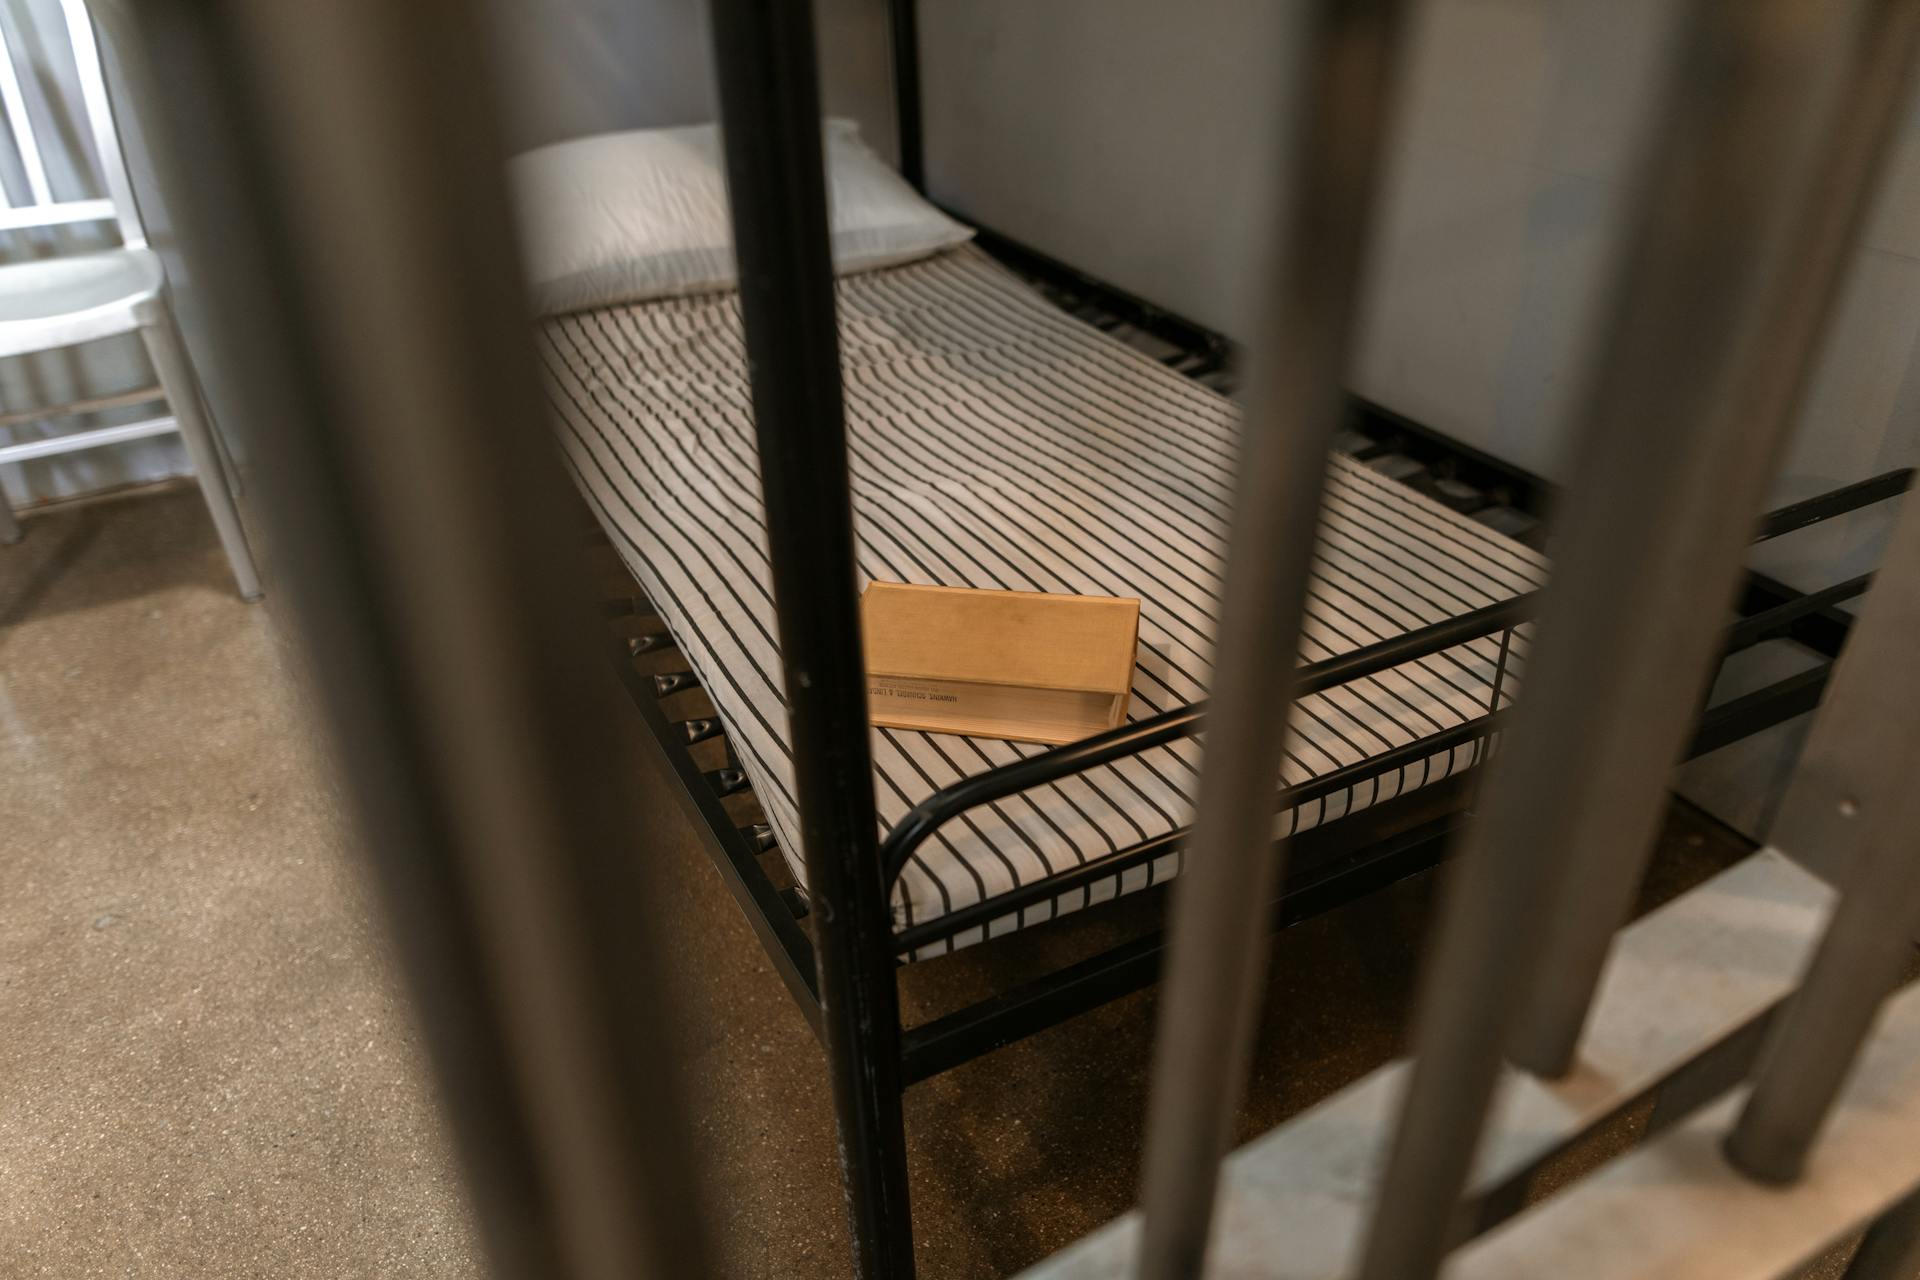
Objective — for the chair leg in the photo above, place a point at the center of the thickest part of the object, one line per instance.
(9, 523)
(183, 398)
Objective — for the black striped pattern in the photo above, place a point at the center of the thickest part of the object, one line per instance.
(997, 442)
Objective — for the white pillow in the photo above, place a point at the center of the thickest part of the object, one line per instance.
(621, 217)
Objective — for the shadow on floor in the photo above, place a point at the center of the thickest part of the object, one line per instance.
(61, 562)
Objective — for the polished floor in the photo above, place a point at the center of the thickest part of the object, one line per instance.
(208, 1065)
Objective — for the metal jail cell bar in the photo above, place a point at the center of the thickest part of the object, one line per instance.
(1346, 55)
(1891, 1249)
(1295, 1199)
(456, 667)
(776, 187)
(1855, 785)
(1756, 408)
(1673, 1209)
(1712, 229)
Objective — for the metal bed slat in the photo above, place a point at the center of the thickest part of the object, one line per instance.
(1824, 631)
(1825, 506)
(786, 944)
(1769, 705)
(653, 642)
(1780, 619)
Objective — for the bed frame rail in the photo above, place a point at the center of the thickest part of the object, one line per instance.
(1184, 722)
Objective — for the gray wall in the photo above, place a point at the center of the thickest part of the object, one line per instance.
(1131, 138)
(1134, 139)
(589, 66)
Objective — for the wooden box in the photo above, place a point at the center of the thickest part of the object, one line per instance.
(1024, 665)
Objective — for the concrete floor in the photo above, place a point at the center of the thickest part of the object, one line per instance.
(208, 1067)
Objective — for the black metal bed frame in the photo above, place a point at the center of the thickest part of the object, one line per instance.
(836, 948)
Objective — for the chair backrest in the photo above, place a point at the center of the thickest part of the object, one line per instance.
(41, 208)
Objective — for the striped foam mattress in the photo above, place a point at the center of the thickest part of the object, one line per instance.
(998, 442)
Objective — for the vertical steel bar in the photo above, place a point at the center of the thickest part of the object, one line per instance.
(770, 123)
(903, 21)
(1346, 54)
(1608, 699)
(338, 191)
(1891, 1250)
(1855, 784)
(1751, 417)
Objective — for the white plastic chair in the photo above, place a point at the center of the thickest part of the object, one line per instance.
(59, 302)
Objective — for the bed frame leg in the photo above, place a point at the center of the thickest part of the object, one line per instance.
(865, 1069)
(770, 128)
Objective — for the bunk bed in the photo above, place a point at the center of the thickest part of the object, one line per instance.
(1013, 423)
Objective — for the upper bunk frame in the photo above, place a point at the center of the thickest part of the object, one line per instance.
(840, 963)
